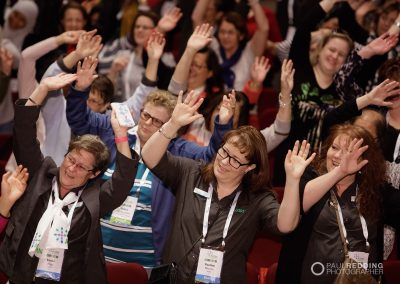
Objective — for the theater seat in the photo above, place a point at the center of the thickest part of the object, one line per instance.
(391, 271)
(3, 278)
(251, 274)
(126, 273)
(271, 274)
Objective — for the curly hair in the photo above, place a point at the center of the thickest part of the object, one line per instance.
(162, 98)
(252, 143)
(371, 177)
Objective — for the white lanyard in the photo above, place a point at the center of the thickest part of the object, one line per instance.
(142, 181)
(56, 196)
(362, 219)
(396, 149)
(207, 213)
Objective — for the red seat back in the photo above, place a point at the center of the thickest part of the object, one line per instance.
(126, 273)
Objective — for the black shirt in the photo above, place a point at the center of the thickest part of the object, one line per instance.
(253, 212)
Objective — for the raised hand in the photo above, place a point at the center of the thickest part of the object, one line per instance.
(13, 185)
(379, 46)
(155, 45)
(58, 81)
(119, 64)
(296, 160)
(89, 44)
(259, 69)
(119, 131)
(6, 61)
(86, 73)
(169, 20)
(227, 108)
(379, 95)
(287, 75)
(186, 112)
(351, 162)
(70, 37)
(200, 37)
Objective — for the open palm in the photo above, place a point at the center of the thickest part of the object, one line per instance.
(296, 160)
(58, 81)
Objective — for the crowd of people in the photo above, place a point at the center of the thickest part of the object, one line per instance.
(190, 186)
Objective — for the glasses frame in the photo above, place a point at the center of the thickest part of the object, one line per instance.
(146, 116)
(239, 164)
(72, 162)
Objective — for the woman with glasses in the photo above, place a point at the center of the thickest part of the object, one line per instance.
(222, 204)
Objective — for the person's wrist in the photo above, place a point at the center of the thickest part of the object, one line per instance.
(5, 208)
(284, 99)
(121, 138)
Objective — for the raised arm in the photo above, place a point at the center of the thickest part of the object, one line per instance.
(198, 40)
(155, 48)
(278, 132)
(6, 61)
(199, 11)
(26, 69)
(296, 162)
(259, 70)
(169, 21)
(350, 163)
(260, 36)
(183, 114)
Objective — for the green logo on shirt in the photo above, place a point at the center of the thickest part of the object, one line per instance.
(240, 210)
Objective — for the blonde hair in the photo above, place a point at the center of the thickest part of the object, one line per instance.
(162, 98)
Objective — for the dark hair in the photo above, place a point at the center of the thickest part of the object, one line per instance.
(372, 175)
(237, 21)
(149, 14)
(95, 146)
(74, 5)
(105, 87)
(215, 83)
(252, 143)
(390, 70)
(379, 123)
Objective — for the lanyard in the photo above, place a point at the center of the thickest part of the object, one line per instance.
(341, 223)
(142, 181)
(396, 151)
(207, 213)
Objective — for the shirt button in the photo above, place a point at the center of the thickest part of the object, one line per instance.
(346, 220)
(193, 256)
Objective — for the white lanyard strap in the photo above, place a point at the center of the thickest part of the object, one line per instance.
(142, 181)
(207, 213)
(56, 196)
(396, 149)
(362, 219)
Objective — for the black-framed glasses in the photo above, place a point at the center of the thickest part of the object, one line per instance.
(232, 161)
(155, 121)
(71, 161)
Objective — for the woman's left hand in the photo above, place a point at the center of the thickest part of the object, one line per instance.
(186, 112)
(296, 160)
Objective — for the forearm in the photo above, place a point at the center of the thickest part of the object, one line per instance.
(26, 69)
(327, 5)
(5, 207)
(199, 12)
(285, 109)
(363, 102)
(289, 211)
(157, 145)
(123, 147)
(261, 34)
(151, 69)
(315, 189)
(181, 73)
(38, 96)
(71, 60)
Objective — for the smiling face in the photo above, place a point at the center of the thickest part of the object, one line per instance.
(336, 151)
(228, 158)
(333, 55)
(76, 169)
(142, 30)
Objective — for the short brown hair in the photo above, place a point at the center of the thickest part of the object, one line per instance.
(252, 143)
(371, 177)
(162, 98)
(95, 146)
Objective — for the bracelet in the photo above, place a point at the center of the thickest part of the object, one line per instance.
(283, 104)
(32, 101)
(161, 130)
(121, 139)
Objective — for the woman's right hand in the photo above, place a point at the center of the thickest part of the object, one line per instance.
(58, 81)
(296, 160)
(200, 37)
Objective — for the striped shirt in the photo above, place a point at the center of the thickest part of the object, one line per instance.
(131, 242)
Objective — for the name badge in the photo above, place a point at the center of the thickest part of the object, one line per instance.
(209, 266)
(200, 192)
(124, 213)
(359, 256)
(50, 264)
